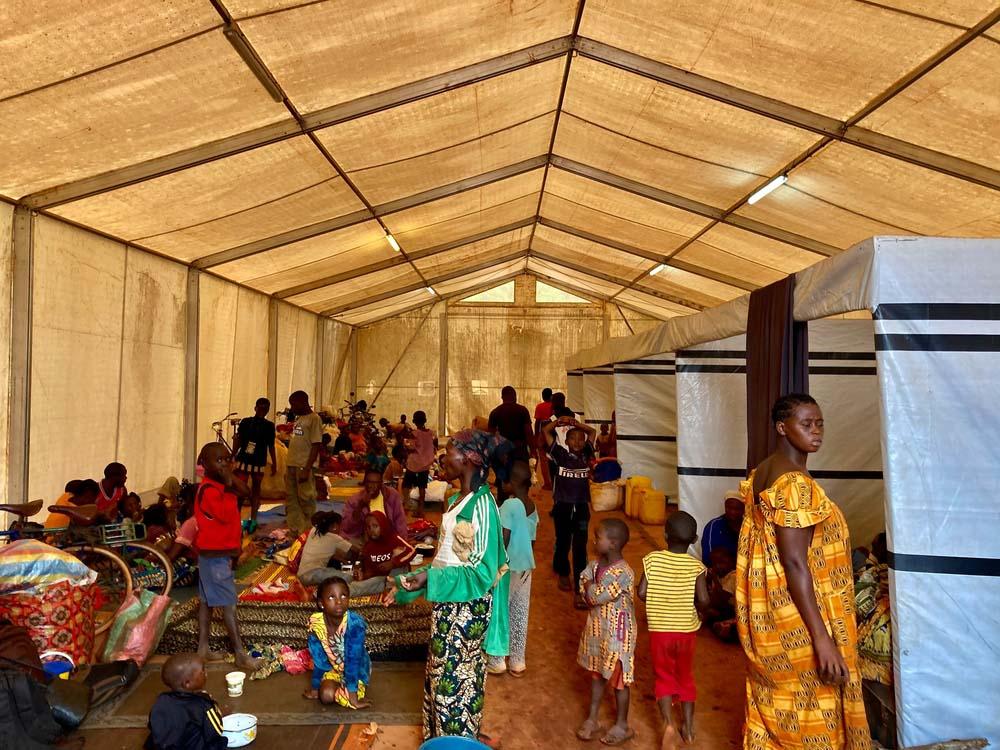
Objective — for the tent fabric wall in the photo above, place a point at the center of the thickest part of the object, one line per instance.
(335, 372)
(575, 393)
(493, 346)
(711, 423)
(646, 416)
(232, 353)
(6, 277)
(937, 364)
(107, 367)
(297, 353)
(413, 384)
(598, 395)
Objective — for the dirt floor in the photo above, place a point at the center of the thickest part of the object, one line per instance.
(544, 708)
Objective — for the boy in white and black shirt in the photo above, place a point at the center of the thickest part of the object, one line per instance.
(571, 499)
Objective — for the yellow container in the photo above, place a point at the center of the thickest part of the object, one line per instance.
(631, 484)
(652, 507)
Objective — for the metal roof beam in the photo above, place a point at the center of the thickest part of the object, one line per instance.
(445, 297)
(359, 217)
(572, 266)
(398, 260)
(789, 114)
(467, 270)
(649, 255)
(692, 206)
(237, 144)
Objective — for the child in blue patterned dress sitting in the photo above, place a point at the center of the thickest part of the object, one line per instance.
(341, 665)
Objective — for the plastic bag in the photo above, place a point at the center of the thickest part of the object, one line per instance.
(138, 627)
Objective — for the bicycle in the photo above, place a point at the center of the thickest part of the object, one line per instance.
(116, 552)
(220, 437)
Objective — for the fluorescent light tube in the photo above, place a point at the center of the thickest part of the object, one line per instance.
(430, 291)
(392, 242)
(657, 269)
(774, 184)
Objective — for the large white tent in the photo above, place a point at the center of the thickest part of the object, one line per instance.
(204, 201)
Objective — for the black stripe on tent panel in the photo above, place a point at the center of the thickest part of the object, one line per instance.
(597, 421)
(656, 362)
(634, 371)
(609, 371)
(723, 369)
(864, 356)
(734, 354)
(738, 369)
(648, 438)
(710, 471)
(959, 566)
(937, 311)
(937, 342)
(713, 353)
(843, 371)
(575, 374)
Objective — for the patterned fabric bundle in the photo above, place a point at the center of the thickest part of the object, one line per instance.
(60, 617)
(29, 566)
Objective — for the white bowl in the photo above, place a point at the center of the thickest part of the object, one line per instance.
(240, 729)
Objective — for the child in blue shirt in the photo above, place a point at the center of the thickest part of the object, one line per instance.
(519, 519)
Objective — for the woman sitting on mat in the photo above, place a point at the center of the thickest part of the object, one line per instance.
(341, 665)
(468, 584)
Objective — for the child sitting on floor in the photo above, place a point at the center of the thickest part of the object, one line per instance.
(186, 716)
(675, 590)
(607, 646)
(384, 553)
(341, 665)
(519, 519)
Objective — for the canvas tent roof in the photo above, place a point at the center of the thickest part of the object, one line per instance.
(275, 142)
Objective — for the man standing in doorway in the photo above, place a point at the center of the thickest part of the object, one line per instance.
(513, 422)
(543, 413)
(303, 449)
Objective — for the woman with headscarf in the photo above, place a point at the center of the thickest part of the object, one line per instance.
(467, 576)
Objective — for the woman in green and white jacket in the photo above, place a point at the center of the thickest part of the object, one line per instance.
(468, 575)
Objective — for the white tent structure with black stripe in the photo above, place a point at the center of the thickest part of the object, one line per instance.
(937, 349)
(207, 201)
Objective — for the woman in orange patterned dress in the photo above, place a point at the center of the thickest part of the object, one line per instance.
(795, 600)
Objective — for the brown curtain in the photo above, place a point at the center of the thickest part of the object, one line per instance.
(777, 362)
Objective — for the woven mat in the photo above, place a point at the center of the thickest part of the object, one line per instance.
(396, 693)
(395, 633)
(266, 572)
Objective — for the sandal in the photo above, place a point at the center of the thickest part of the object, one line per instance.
(517, 672)
(613, 740)
(587, 730)
(493, 742)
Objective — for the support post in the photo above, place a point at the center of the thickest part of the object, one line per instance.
(193, 313)
(605, 322)
(355, 335)
(19, 427)
(320, 362)
(272, 356)
(443, 374)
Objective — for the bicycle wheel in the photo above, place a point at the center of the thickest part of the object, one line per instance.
(150, 568)
(114, 579)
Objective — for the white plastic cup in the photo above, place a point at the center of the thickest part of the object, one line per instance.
(234, 683)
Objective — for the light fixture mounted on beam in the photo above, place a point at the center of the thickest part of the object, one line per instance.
(392, 241)
(771, 186)
(431, 291)
(657, 269)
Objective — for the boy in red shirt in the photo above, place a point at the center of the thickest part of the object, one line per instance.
(219, 540)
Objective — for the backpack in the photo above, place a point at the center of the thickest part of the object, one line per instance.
(26, 721)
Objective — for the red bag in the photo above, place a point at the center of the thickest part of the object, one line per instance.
(60, 619)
